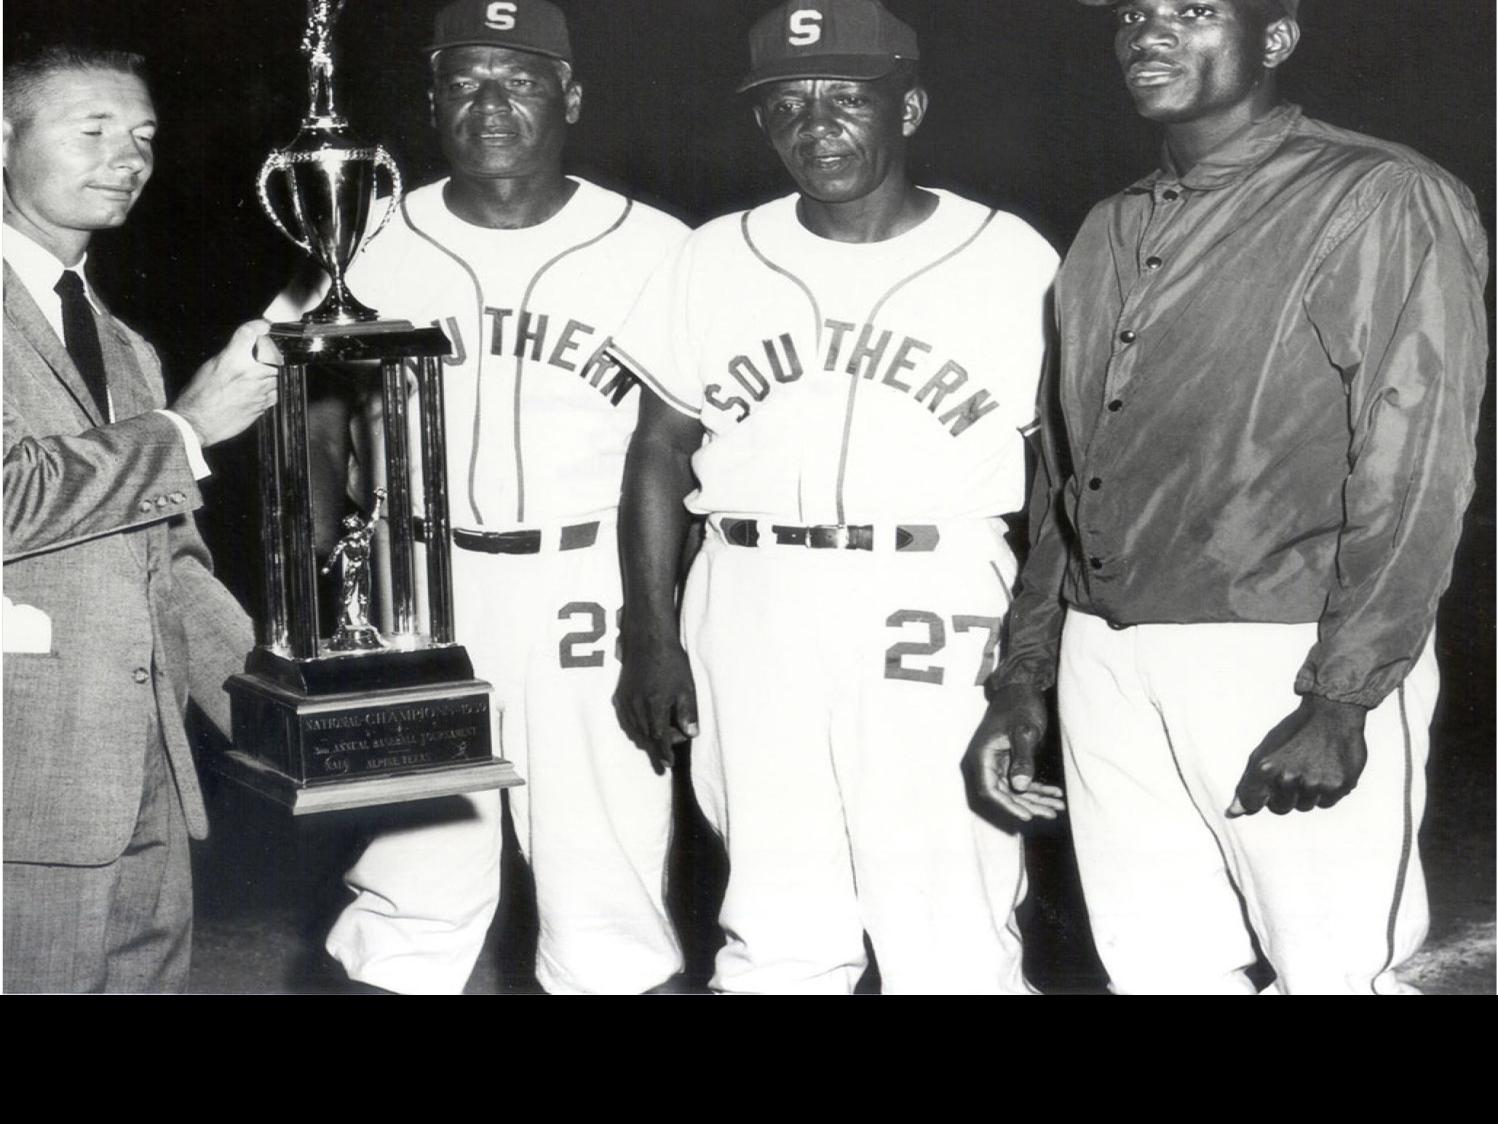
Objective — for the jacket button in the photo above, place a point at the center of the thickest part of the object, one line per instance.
(1170, 196)
(141, 675)
(160, 501)
(1128, 335)
(147, 506)
(1115, 406)
(1095, 483)
(1095, 562)
(1152, 263)
(177, 497)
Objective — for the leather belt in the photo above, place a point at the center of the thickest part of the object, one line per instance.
(909, 537)
(578, 536)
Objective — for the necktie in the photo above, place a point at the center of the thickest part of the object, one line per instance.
(81, 335)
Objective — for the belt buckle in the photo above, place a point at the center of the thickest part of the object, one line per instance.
(827, 536)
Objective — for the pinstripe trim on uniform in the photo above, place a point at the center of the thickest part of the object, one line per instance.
(1008, 593)
(816, 309)
(1407, 844)
(530, 289)
(478, 349)
(640, 371)
(842, 460)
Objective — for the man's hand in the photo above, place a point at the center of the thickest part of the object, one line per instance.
(1309, 760)
(656, 699)
(229, 391)
(1000, 761)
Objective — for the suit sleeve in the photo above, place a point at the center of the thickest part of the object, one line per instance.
(1398, 305)
(219, 632)
(61, 490)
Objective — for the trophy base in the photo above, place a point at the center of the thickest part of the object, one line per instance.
(365, 638)
(306, 799)
(342, 673)
(360, 730)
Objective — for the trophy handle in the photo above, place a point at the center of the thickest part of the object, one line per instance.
(277, 162)
(385, 162)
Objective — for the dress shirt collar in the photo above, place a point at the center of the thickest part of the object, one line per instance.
(39, 271)
(1230, 161)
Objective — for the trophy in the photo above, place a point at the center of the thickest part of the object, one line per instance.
(357, 718)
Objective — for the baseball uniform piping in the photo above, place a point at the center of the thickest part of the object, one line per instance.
(520, 358)
(842, 460)
(642, 372)
(816, 317)
(1008, 593)
(1407, 843)
(816, 309)
(478, 382)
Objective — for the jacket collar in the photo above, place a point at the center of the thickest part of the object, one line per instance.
(1233, 159)
(24, 316)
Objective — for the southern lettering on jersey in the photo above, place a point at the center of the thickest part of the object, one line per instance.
(889, 357)
(553, 339)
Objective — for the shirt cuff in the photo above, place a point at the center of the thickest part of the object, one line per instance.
(195, 461)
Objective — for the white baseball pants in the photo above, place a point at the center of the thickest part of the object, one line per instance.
(593, 819)
(837, 690)
(1157, 723)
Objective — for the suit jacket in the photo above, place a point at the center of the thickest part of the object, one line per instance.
(99, 536)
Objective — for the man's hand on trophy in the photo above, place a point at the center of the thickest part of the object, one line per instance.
(231, 390)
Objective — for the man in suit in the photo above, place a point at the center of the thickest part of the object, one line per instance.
(112, 615)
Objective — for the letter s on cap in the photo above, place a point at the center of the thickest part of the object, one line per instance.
(501, 15)
(805, 27)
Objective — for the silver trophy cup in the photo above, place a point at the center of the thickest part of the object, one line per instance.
(327, 180)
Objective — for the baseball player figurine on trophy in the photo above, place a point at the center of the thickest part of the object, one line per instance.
(354, 632)
(357, 719)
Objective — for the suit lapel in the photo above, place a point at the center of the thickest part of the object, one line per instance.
(24, 316)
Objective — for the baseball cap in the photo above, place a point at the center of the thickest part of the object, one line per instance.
(853, 39)
(521, 25)
(1292, 7)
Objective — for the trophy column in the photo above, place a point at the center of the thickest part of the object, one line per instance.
(357, 718)
(398, 475)
(434, 478)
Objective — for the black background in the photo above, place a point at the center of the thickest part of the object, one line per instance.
(1028, 112)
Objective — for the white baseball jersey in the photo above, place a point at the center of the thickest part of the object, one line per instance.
(538, 419)
(848, 383)
(538, 415)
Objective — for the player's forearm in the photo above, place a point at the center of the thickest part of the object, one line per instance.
(1032, 627)
(1395, 562)
(653, 526)
(1414, 404)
